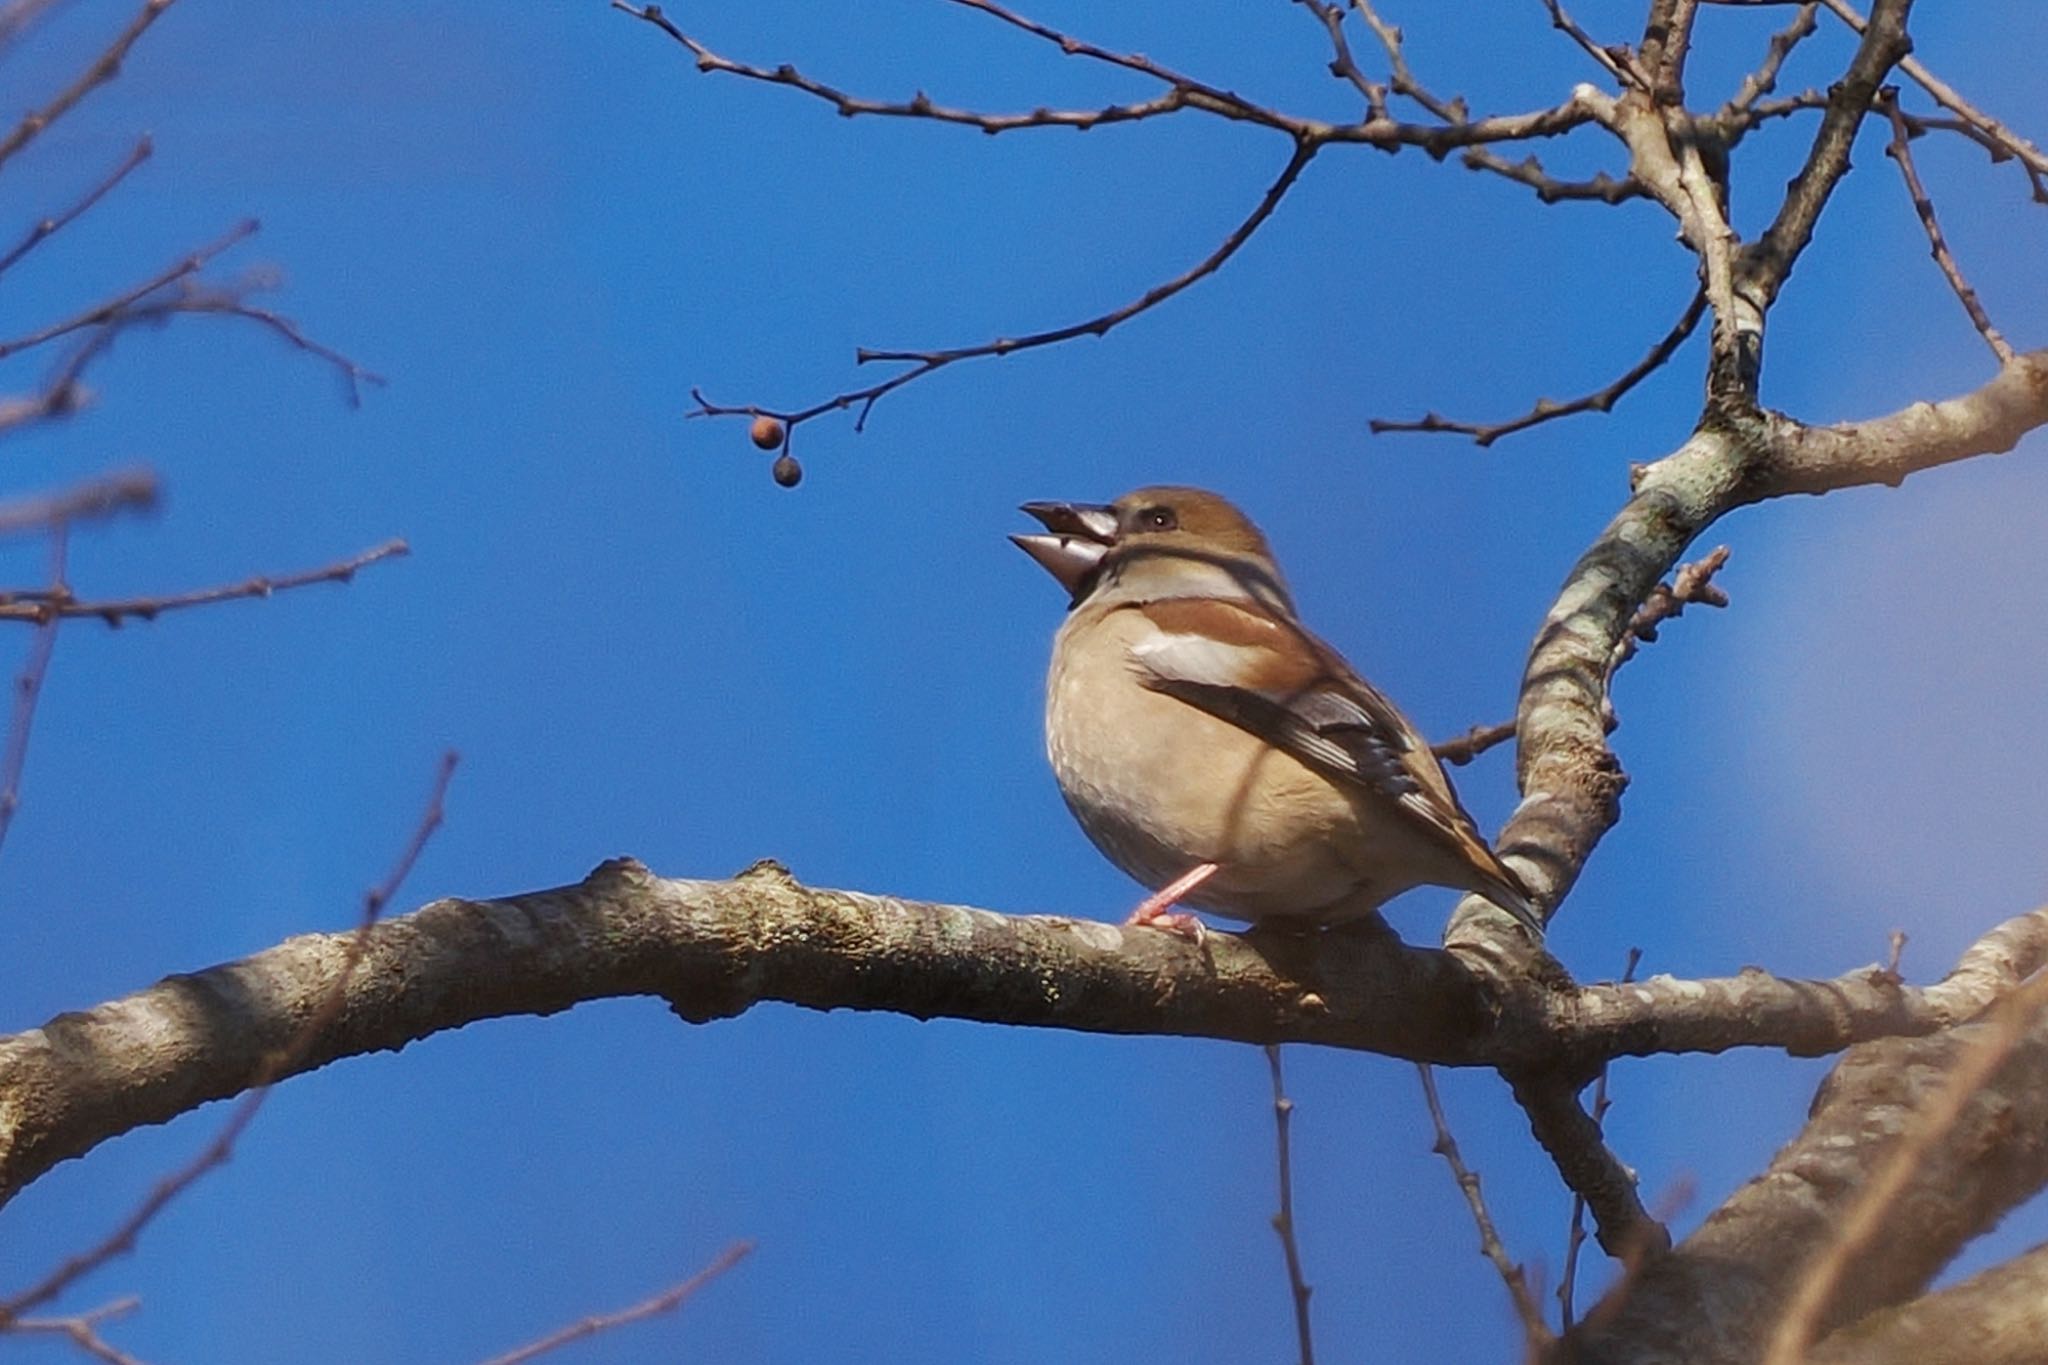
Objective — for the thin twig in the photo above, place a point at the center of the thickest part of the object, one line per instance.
(40, 607)
(1546, 409)
(1474, 742)
(82, 1330)
(1343, 65)
(103, 69)
(925, 362)
(1902, 153)
(1764, 79)
(2005, 1027)
(1576, 1238)
(1614, 60)
(46, 228)
(1535, 1332)
(1402, 80)
(278, 1063)
(114, 307)
(665, 1302)
(28, 687)
(1693, 583)
(1283, 1220)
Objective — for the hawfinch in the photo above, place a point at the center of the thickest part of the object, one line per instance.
(1217, 751)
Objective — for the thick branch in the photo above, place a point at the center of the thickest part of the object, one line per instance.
(714, 949)
(1997, 1318)
(1743, 1264)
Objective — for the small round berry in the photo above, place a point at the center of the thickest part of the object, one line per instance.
(767, 433)
(787, 471)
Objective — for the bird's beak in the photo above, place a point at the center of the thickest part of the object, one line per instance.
(1081, 534)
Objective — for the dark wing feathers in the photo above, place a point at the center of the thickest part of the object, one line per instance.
(1278, 682)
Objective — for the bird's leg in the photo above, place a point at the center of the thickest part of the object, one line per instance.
(1157, 909)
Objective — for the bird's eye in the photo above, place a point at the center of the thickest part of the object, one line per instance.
(1159, 519)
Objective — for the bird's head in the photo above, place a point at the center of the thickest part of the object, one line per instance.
(1159, 541)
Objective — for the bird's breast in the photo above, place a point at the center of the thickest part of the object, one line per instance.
(1160, 785)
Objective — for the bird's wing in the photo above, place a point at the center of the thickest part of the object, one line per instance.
(1270, 677)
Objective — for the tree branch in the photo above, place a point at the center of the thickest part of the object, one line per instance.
(103, 69)
(1547, 409)
(715, 949)
(1743, 1264)
(1999, 1317)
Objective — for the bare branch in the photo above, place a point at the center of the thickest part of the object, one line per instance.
(268, 1067)
(1536, 1333)
(28, 688)
(1343, 65)
(1546, 409)
(111, 309)
(665, 1302)
(1615, 60)
(43, 607)
(103, 69)
(1767, 262)
(1741, 1266)
(1879, 1197)
(133, 490)
(926, 362)
(1626, 1229)
(1283, 1220)
(1900, 152)
(82, 1330)
(1172, 101)
(2001, 1314)
(47, 228)
(1693, 583)
(715, 949)
(1764, 79)
(1994, 135)
(1549, 189)
(1575, 1239)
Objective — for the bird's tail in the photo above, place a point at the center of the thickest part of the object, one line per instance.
(1512, 894)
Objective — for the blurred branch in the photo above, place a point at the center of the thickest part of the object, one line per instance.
(261, 1070)
(47, 228)
(1600, 400)
(28, 688)
(1536, 1335)
(42, 607)
(1900, 152)
(2001, 1313)
(1872, 1120)
(82, 1330)
(133, 490)
(103, 69)
(1283, 1219)
(114, 308)
(1880, 1196)
(665, 1302)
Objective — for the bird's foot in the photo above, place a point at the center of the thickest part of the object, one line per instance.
(1157, 911)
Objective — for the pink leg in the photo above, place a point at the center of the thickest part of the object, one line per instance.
(1157, 909)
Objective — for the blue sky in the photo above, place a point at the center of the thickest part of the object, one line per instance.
(544, 227)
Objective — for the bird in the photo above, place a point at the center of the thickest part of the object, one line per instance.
(1217, 751)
